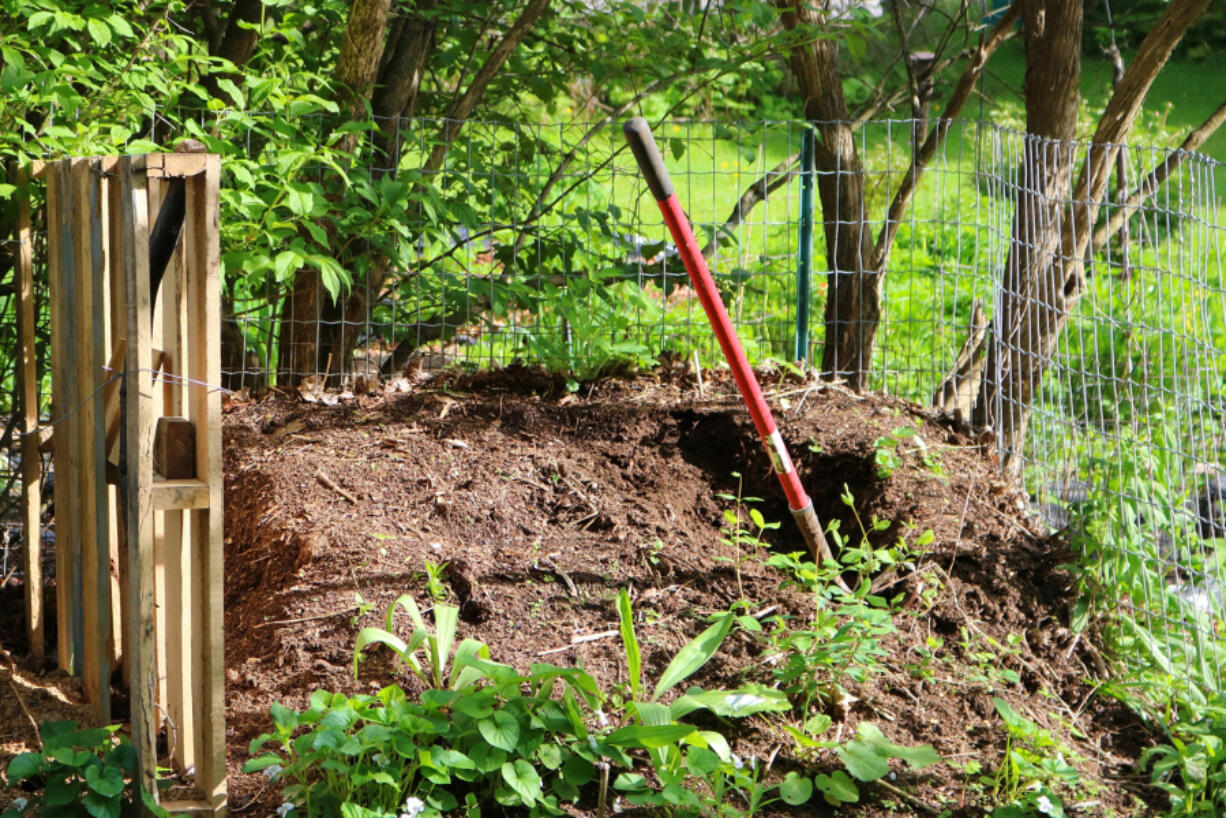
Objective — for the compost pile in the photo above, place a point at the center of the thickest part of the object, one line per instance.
(541, 503)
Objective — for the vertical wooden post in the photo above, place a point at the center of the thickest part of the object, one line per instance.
(31, 459)
(91, 476)
(136, 469)
(117, 311)
(66, 396)
(181, 695)
(203, 290)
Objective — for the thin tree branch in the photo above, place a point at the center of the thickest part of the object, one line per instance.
(463, 106)
(940, 129)
(1161, 172)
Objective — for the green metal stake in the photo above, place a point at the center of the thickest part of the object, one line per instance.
(804, 274)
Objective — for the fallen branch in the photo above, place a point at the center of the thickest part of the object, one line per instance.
(328, 482)
(581, 639)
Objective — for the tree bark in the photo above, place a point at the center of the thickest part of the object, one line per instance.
(400, 80)
(853, 301)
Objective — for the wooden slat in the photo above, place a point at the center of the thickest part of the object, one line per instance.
(178, 643)
(203, 292)
(172, 165)
(117, 311)
(188, 807)
(65, 398)
(136, 466)
(179, 494)
(110, 405)
(91, 479)
(31, 460)
(154, 190)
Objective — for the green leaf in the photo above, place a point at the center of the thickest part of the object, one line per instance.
(100, 31)
(795, 789)
(23, 766)
(107, 782)
(578, 771)
(550, 756)
(744, 701)
(862, 760)
(500, 730)
(100, 806)
(634, 659)
(678, 147)
(648, 736)
(523, 779)
(693, 656)
(837, 788)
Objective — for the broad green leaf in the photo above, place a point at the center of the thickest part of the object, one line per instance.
(99, 30)
(578, 771)
(500, 730)
(795, 789)
(837, 788)
(634, 659)
(107, 782)
(523, 779)
(23, 766)
(693, 656)
(648, 736)
(744, 701)
(862, 760)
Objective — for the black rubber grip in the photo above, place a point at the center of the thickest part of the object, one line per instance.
(638, 134)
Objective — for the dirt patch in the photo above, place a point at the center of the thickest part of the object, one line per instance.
(542, 504)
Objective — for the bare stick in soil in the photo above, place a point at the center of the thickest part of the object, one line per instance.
(328, 482)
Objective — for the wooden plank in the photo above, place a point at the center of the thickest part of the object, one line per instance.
(178, 643)
(31, 459)
(62, 295)
(91, 479)
(174, 448)
(203, 363)
(110, 408)
(117, 313)
(172, 165)
(136, 468)
(179, 494)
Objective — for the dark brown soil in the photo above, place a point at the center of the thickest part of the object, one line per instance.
(543, 504)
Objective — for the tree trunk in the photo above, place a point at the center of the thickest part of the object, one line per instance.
(1030, 296)
(853, 301)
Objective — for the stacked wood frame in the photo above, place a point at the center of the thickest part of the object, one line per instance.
(138, 559)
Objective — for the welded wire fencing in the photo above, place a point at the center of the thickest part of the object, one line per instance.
(540, 244)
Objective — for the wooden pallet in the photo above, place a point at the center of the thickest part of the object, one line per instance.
(138, 558)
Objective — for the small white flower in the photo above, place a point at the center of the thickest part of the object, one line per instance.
(738, 700)
(285, 809)
(617, 804)
(591, 742)
(736, 762)
(413, 806)
(20, 804)
(1044, 805)
(273, 771)
(379, 759)
(604, 720)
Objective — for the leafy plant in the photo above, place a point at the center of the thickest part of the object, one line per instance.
(1033, 762)
(1191, 768)
(437, 645)
(94, 769)
(508, 740)
(436, 581)
(742, 539)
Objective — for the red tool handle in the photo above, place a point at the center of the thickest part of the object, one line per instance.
(652, 164)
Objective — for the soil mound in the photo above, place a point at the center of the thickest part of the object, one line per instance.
(541, 504)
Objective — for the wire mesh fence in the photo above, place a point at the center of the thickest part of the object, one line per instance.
(541, 244)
